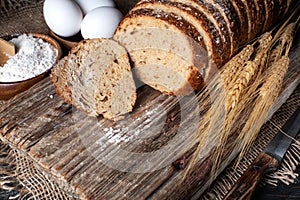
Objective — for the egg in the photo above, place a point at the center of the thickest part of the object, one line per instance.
(101, 22)
(63, 17)
(87, 6)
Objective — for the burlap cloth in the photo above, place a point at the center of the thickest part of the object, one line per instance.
(19, 177)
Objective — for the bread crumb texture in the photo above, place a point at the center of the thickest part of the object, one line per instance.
(96, 78)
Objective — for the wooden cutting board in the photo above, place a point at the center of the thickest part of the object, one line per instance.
(100, 159)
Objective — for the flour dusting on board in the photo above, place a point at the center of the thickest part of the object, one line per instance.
(33, 57)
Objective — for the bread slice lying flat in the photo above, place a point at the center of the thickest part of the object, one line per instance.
(96, 77)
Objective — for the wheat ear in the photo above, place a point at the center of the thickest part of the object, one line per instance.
(249, 69)
(268, 93)
(240, 90)
(284, 41)
(233, 66)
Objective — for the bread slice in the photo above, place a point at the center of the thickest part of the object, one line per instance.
(269, 7)
(96, 77)
(261, 15)
(251, 11)
(145, 30)
(214, 39)
(195, 8)
(163, 76)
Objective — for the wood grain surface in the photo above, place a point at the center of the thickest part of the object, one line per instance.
(83, 152)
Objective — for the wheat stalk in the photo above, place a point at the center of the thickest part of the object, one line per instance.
(248, 70)
(228, 74)
(235, 76)
(252, 80)
(264, 42)
(267, 95)
(271, 82)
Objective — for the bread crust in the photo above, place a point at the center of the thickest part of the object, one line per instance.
(221, 23)
(59, 77)
(240, 8)
(232, 20)
(260, 14)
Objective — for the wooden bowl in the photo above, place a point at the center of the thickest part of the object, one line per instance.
(11, 89)
(67, 42)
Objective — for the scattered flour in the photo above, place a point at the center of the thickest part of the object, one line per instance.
(33, 57)
(114, 136)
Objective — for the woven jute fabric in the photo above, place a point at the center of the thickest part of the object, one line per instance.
(20, 175)
(20, 16)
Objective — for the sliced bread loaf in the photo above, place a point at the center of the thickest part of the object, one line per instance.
(148, 32)
(96, 77)
(212, 38)
(170, 40)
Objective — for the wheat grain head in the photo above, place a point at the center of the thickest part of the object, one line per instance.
(267, 95)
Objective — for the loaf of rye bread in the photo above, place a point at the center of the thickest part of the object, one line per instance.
(171, 42)
(96, 77)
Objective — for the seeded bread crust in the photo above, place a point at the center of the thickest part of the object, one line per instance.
(219, 22)
(96, 78)
(261, 15)
(269, 7)
(232, 20)
(240, 8)
(255, 27)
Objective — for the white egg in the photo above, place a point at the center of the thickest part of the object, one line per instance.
(63, 17)
(88, 5)
(101, 22)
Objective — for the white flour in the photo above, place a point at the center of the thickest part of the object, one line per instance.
(33, 57)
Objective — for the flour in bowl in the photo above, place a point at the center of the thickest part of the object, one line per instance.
(34, 57)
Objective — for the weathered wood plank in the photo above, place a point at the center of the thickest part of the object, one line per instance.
(72, 144)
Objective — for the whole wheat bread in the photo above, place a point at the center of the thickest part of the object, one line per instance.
(204, 29)
(96, 77)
